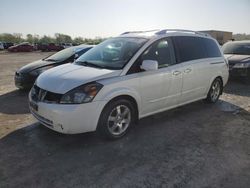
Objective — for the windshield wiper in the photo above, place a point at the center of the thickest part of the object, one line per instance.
(89, 64)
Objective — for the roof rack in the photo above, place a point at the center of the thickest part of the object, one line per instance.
(137, 32)
(164, 31)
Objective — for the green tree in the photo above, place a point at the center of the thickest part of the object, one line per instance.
(243, 36)
(46, 39)
(62, 38)
(18, 37)
(29, 38)
(7, 37)
(78, 40)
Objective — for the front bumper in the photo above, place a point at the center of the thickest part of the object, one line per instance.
(24, 81)
(239, 72)
(68, 119)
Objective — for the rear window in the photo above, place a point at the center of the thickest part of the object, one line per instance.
(192, 48)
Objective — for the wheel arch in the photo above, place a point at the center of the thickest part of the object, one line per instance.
(128, 97)
(214, 78)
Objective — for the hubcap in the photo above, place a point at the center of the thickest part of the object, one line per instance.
(119, 119)
(215, 92)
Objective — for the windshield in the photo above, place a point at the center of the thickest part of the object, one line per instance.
(61, 55)
(112, 54)
(236, 48)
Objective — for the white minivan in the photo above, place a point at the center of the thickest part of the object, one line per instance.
(126, 78)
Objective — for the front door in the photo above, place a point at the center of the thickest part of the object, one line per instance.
(161, 88)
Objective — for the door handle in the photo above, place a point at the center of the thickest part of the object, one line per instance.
(187, 70)
(176, 73)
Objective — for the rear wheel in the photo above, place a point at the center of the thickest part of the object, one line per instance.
(116, 119)
(215, 91)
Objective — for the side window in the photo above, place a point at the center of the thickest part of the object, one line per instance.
(189, 48)
(159, 51)
(212, 48)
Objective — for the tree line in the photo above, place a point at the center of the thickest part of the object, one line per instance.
(241, 36)
(57, 38)
(63, 38)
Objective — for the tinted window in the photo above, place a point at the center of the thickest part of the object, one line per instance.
(212, 48)
(236, 48)
(61, 55)
(79, 53)
(159, 51)
(189, 48)
(192, 48)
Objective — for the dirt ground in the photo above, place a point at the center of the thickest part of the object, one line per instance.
(197, 145)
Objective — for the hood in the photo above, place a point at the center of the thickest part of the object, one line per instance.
(235, 58)
(35, 65)
(63, 78)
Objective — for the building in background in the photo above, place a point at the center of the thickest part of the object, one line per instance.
(221, 36)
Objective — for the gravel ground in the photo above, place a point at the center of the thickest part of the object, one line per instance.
(197, 145)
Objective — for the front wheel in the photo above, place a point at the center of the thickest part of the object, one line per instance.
(116, 119)
(215, 91)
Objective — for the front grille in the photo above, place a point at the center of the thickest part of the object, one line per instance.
(41, 95)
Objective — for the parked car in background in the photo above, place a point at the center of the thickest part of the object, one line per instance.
(127, 78)
(238, 55)
(26, 76)
(39, 46)
(66, 45)
(23, 47)
(7, 45)
(48, 47)
(54, 47)
(1, 46)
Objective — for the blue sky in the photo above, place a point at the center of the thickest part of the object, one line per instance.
(104, 18)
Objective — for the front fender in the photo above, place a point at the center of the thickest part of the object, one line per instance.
(123, 91)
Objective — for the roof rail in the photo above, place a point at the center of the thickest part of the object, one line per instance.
(136, 32)
(164, 31)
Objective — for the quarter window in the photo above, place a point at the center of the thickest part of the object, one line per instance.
(189, 48)
(212, 48)
(192, 48)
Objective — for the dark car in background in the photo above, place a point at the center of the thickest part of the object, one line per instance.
(26, 76)
(7, 45)
(49, 47)
(238, 55)
(22, 47)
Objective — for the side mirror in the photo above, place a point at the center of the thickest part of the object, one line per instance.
(76, 56)
(149, 65)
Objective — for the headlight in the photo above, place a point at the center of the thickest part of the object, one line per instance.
(242, 65)
(38, 71)
(82, 94)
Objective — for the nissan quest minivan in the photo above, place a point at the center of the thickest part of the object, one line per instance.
(129, 77)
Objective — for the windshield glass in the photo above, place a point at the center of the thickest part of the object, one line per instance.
(236, 48)
(61, 55)
(112, 54)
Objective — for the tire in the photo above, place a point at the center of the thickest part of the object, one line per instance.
(214, 91)
(114, 125)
